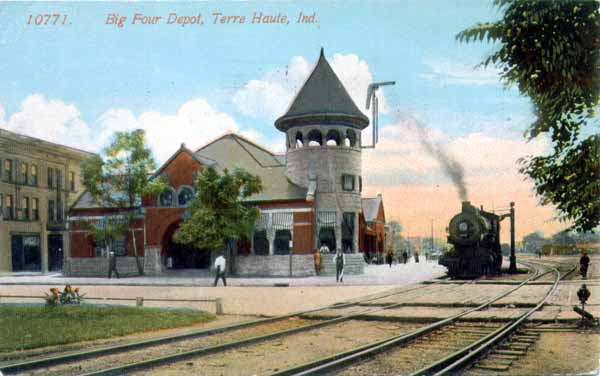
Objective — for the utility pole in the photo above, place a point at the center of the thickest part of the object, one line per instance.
(513, 258)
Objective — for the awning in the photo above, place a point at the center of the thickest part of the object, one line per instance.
(326, 218)
(262, 222)
(283, 221)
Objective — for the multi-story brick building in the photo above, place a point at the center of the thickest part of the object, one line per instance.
(38, 182)
(311, 195)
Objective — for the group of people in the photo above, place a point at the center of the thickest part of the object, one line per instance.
(339, 259)
(389, 257)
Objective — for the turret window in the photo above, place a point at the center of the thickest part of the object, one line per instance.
(348, 182)
(334, 138)
(315, 138)
(299, 140)
(350, 137)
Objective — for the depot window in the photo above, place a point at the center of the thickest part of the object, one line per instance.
(348, 182)
(282, 242)
(260, 242)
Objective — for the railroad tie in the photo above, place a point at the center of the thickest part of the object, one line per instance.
(510, 352)
(513, 346)
(504, 357)
(492, 367)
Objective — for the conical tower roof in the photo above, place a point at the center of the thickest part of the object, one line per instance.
(322, 100)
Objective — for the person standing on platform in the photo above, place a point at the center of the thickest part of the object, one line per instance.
(405, 256)
(416, 257)
(324, 248)
(339, 260)
(584, 262)
(317, 259)
(220, 264)
(389, 258)
(112, 265)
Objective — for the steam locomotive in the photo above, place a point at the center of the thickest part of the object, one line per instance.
(475, 236)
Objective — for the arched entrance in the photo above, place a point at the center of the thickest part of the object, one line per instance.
(182, 256)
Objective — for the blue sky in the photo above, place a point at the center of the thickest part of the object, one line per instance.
(78, 82)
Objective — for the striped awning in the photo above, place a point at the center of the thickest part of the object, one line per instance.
(262, 222)
(283, 221)
(326, 218)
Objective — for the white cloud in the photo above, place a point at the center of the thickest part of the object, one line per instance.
(447, 73)
(195, 123)
(51, 120)
(400, 157)
(270, 96)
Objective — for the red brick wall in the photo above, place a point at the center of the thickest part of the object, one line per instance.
(180, 171)
(158, 220)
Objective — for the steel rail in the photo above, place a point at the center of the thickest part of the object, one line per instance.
(171, 358)
(336, 361)
(86, 354)
(467, 355)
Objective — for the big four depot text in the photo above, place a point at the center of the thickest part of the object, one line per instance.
(215, 18)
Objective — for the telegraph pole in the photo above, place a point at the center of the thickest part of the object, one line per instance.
(513, 258)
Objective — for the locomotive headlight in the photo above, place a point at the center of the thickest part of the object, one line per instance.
(463, 226)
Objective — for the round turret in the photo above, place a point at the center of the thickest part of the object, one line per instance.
(323, 142)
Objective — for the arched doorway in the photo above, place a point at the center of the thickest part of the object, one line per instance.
(182, 256)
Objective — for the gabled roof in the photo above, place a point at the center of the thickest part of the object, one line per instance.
(370, 206)
(232, 150)
(322, 100)
(183, 149)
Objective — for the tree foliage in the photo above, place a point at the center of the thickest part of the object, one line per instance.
(216, 213)
(550, 50)
(119, 179)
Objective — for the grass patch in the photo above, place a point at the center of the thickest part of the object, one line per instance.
(31, 326)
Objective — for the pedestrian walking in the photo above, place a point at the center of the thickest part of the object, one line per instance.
(339, 260)
(112, 265)
(317, 259)
(405, 256)
(389, 258)
(220, 263)
(584, 262)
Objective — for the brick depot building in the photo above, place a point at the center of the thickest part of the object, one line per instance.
(311, 195)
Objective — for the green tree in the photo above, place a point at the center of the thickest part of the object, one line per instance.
(550, 50)
(217, 214)
(120, 179)
(533, 242)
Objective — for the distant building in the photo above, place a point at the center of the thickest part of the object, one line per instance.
(38, 182)
(311, 196)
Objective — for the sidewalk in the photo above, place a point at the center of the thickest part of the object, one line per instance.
(242, 296)
(398, 274)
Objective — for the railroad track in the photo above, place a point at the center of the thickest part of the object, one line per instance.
(429, 350)
(289, 324)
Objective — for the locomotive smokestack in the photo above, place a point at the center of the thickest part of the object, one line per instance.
(466, 205)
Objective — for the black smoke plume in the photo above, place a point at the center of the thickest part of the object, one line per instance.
(451, 167)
